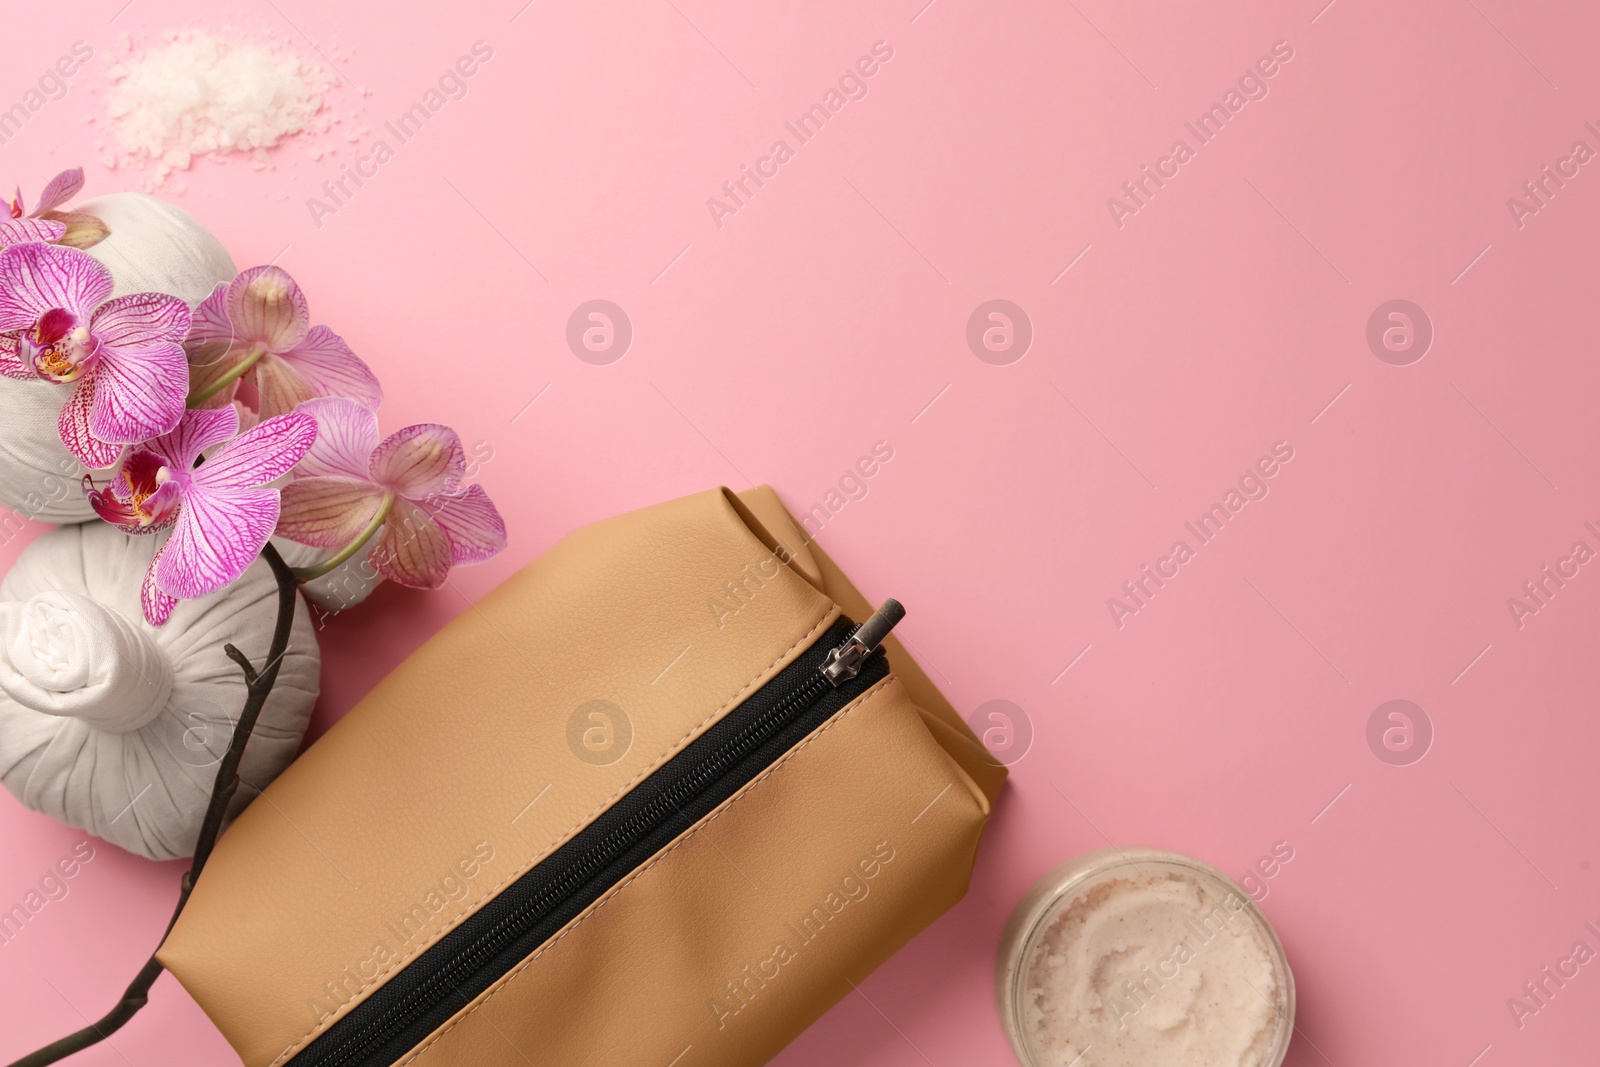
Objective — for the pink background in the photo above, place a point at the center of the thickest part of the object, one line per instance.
(830, 312)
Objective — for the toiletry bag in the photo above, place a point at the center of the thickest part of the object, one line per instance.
(660, 798)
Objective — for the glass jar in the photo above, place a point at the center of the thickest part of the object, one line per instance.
(1067, 895)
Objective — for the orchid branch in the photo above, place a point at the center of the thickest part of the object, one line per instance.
(258, 689)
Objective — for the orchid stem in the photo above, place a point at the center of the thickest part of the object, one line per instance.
(258, 686)
(308, 574)
(235, 372)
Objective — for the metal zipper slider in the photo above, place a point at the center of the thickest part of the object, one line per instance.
(845, 662)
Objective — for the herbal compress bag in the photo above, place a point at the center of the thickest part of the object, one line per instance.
(659, 798)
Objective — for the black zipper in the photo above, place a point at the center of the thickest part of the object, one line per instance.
(448, 976)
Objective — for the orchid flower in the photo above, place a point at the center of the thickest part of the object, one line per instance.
(57, 191)
(405, 491)
(16, 231)
(221, 513)
(124, 355)
(258, 327)
(77, 230)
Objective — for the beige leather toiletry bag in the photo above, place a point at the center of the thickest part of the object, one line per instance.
(660, 798)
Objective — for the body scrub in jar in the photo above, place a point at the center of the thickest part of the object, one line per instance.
(1139, 958)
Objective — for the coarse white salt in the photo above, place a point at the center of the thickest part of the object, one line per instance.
(200, 94)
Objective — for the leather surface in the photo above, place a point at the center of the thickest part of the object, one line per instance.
(745, 930)
(818, 568)
(480, 755)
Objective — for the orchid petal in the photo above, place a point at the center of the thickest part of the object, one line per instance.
(162, 508)
(267, 307)
(157, 604)
(37, 277)
(59, 190)
(83, 231)
(248, 418)
(218, 536)
(347, 433)
(114, 504)
(196, 431)
(139, 472)
(140, 320)
(18, 231)
(52, 327)
(331, 369)
(328, 511)
(259, 455)
(420, 461)
(411, 549)
(471, 521)
(74, 426)
(138, 392)
(210, 348)
(110, 506)
(279, 386)
(210, 323)
(12, 365)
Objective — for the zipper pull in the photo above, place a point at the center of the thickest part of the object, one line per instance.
(845, 662)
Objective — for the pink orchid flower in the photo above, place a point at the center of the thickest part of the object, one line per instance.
(75, 228)
(21, 231)
(406, 491)
(221, 513)
(125, 355)
(258, 328)
(57, 191)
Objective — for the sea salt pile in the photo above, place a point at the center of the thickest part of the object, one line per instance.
(199, 94)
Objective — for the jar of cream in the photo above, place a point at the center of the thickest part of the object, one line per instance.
(1139, 958)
